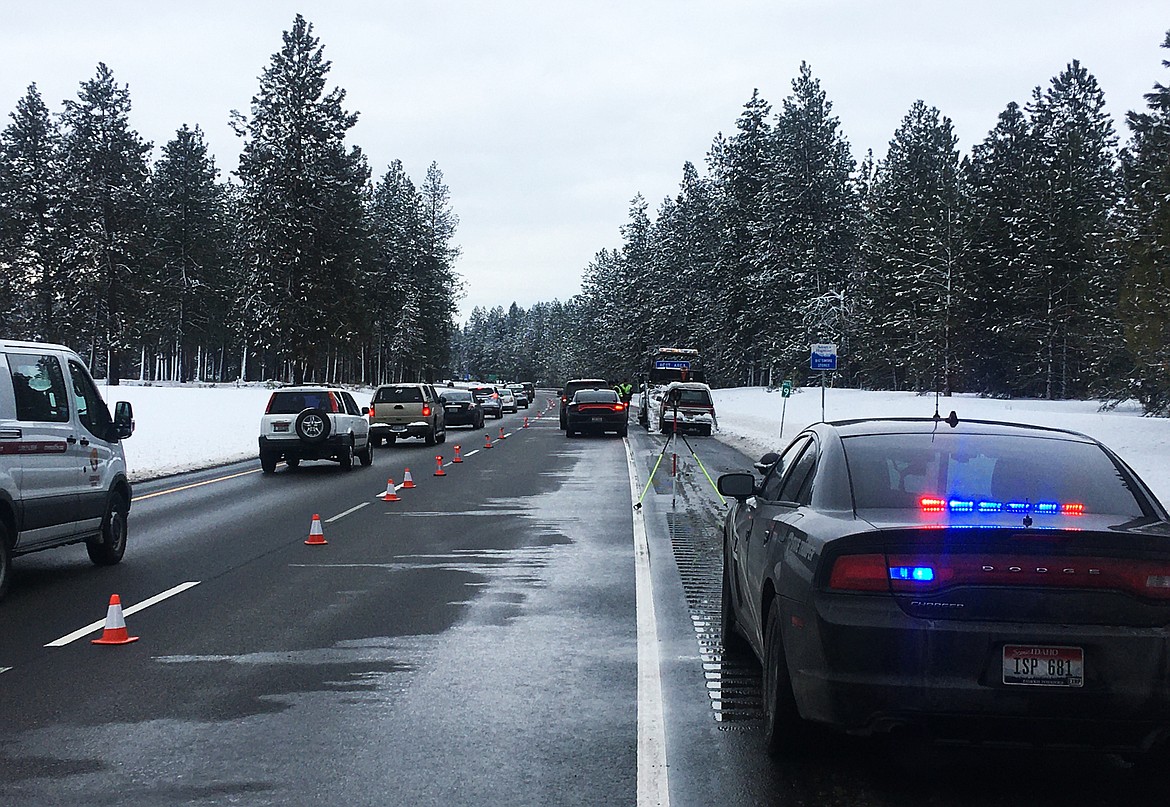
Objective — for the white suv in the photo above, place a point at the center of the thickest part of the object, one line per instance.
(313, 423)
(62, 469)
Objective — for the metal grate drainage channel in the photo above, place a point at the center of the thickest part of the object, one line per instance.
(733, 685)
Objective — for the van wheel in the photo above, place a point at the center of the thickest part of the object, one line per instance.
(109, 547)
(5, 559)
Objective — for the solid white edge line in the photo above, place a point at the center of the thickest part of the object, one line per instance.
(471, 453)
(350, 510)
(653, 788)
(157, 598)
(5, 669)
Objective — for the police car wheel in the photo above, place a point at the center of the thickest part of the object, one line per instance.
(110, 545)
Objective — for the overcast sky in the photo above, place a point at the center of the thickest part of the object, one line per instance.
(547, 117)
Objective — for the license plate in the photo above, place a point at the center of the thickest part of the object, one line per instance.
(280, 427)
(1043, 665)
(596, 420)
(451, 408)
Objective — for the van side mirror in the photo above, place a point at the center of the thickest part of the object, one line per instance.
(123, 419)
(738, 486)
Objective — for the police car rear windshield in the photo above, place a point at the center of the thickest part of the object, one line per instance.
(976, 472)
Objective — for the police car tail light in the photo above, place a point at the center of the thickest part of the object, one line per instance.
(619, 407)
(860, 573)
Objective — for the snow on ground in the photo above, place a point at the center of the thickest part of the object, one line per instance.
(181, 428)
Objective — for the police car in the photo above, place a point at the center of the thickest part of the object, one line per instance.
(62, 468)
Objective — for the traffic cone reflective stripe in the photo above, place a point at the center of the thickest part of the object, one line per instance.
(526, 422)
(390, 495)
(115, 631)
(316, 534)
(458, 456)
(407, 479)
(439, 466)
(488, 438)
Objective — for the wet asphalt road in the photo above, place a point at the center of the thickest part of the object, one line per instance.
(474, 643)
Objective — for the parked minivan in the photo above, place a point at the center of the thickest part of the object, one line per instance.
(62, 468)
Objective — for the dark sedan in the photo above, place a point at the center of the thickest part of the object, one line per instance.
(596, 410)
(461, 408)
(969, 581)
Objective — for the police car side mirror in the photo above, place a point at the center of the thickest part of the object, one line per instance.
(738, 486)
(123, 419)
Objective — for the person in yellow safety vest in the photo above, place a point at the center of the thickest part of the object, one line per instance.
(625, 391)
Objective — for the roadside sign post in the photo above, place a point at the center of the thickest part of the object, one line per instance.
(785, 391)
(822, 357)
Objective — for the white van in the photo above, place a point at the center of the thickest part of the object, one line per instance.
(62, 468)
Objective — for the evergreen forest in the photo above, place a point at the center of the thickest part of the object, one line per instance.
(1035, 265)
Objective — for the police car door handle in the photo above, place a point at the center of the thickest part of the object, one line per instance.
(71, 439)
(85, 441)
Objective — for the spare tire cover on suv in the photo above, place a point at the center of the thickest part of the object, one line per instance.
(313, 425)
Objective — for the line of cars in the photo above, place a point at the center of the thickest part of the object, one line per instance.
(318, 422)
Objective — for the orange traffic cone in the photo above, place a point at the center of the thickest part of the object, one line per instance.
(390, 495)
(526, 422)
(407, 479)
(316, 534)
(458, 456)
(488, 438)
(502, 435)
(115, 631)
(439, 466)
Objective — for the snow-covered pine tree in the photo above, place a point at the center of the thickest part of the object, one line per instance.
(912, 252)
(398, 237)
(997, 324)
(438, 286)
(303, 228)
(1072, 191)
(31, 180)
(806, 243)
(738, 167)
(186, 313)
(1145, 293)
(105, 222)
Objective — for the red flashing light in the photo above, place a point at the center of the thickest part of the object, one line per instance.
(1073, 509)
(930, 504)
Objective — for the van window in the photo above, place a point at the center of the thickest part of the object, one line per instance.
(91, 409)
(39, 385)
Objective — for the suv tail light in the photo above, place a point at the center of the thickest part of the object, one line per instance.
(268, 409)
(371, 410)
(426, 410)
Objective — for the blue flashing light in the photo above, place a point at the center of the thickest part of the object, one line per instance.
(1047, 507)
(1017, 507)
(919, 574)
(961, 505)
(990, 507)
